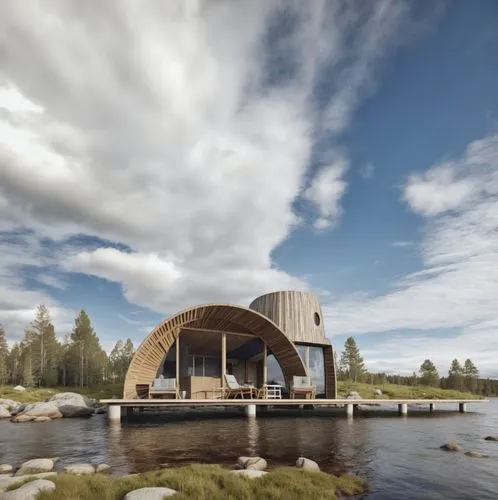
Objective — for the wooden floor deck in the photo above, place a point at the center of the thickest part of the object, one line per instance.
(250, 405)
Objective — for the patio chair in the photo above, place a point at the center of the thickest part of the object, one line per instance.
(164, 387)
(302, 387)
(234, 389)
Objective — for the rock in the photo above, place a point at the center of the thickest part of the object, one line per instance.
(35, 466)
(70, 399)
(251, 463)
(79, 469)
(150, 494)
(38, 410)
(491, 438)
(451, 447)
(100, 410)
(7, 482)
(19, 388)
(377, 392)
(307, 464)
(4, 413)
(6, 468)
(9, 403)
(102, 468)
(70, 411)
(354, 395)
(18, 419)
(475, 454)
(42, 419)
(250, 473)
(29, 491)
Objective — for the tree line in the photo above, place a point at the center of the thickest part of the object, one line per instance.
(42, 359)
(351, 367)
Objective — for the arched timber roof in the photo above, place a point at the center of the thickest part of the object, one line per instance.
(220, 317)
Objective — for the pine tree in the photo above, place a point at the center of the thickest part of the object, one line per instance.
(470, 373)
(455, 376)
(352, 363)
(4, 355)
(429, 374)
(26, 364)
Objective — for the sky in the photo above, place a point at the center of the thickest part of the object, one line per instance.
(159, 155)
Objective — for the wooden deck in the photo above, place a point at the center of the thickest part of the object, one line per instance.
(250, 405)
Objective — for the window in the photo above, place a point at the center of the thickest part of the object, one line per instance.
(204, 366)
(317, 319)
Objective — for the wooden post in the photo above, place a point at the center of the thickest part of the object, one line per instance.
(349, 410)
(403, 408)
(223, 358)
(265, 364)
(432, 407)
(307, 358)
(178, 363)
(462, 407)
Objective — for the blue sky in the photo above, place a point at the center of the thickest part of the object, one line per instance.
(158, 156)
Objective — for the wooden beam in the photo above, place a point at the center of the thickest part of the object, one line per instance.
(223, 358)
(208, 330)
(265, 364)
(178, 362)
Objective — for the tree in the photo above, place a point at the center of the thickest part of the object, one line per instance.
(429, 374)
(4, 355)
(455, 376)
(471, 374)
(352, 363)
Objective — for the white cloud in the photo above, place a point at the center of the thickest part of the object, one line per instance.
(172, 128)
(367, 171)
(458, 285)
(401, 243)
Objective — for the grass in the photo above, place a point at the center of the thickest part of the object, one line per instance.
(34, 394)
(204, 482)
(394, 391)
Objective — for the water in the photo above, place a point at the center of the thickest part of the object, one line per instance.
(399, 456)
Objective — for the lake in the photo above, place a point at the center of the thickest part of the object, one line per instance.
(399, 456)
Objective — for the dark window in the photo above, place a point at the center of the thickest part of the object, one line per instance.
(317, 319)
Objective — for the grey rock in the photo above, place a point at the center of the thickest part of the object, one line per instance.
(354, 395)
(377, 392)
(70, 411)
(42, 419)
(6, 468)
(250, 473)
(9, 403)
(19, 388)
(29, 491)
(39, 410)
(307, 464)
(4, 413)
(100, 410)
(35, 466)
(491, 438)
(476, 454)
(152, 493)
(79, 469)
(252, 463)
(7, 482)
(102, 468)
(451, 447)
(71, 399)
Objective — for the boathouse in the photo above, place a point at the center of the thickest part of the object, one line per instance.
(275, 348)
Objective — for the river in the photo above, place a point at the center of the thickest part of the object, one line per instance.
(399, 456)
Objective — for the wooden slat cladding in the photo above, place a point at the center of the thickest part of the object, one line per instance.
(330, 373)
(219, 317)
(295, 313)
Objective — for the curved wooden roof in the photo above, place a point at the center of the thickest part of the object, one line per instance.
(219, 317)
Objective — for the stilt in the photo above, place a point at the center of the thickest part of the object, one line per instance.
(114, 413)
(129, 411)
(403, 408)
(432, 407)
(349, 410)
(462, 407)
(251, 410)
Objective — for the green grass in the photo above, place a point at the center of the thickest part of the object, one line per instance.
(204, 482)
(34, 394)
(394, 391)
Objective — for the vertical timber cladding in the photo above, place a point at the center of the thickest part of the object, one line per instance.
(218, 317)
(330, 373)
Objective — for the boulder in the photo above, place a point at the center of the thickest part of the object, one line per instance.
(102, 468)
(18, 419)
(70, 399)
(42, 419)
(377, 392)
(35, 466)
(250, 473)
(100, 410)
(19, 388)
(79, 469)
(307, 464)
(491, 438)
(70, 411)
(476, 454)
(451, 447)
(7, 482)
(38, 410)
(6, 468)
(251, 463)
(354, 395)
(29, 491)
(153, 493)
(9, 403)
(4, 413)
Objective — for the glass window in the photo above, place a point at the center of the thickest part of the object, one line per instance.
(275, 374)
(301, 349)
(317, 368)
(212, 367)
(199, 366)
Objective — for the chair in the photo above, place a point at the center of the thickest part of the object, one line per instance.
(302, 386)
(270, 391)
(163, 387)
(234, 389)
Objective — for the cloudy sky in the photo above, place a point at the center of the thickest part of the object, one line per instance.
(156, 155)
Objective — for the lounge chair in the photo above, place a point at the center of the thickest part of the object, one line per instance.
(164, 387)
(302, 387)
(234, 389)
